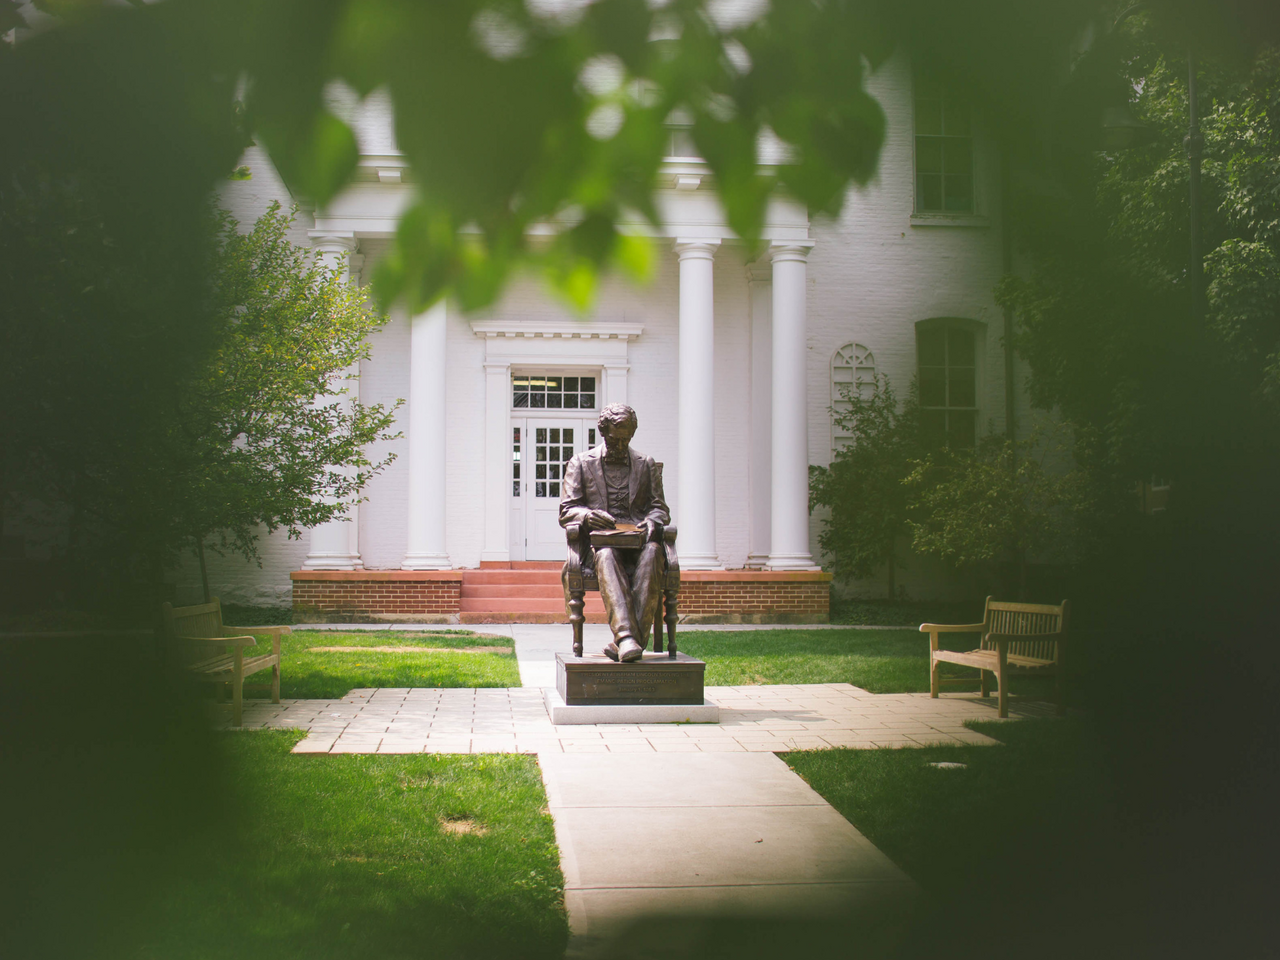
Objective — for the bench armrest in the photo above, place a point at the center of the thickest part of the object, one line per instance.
(219, 641)
(275, 631)
(952, 627)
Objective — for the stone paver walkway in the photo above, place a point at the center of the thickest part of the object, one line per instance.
(754, 719)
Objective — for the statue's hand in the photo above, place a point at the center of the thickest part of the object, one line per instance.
(600, 520)
(646, 528)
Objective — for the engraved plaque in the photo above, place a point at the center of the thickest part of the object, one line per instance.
(655, 679)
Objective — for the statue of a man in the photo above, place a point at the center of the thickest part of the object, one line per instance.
(611, 485)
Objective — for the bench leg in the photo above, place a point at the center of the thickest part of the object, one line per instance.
(237, 690)
(576, 619)
(1002, 678)
(275, 683)
(984, 681)
(933, 677)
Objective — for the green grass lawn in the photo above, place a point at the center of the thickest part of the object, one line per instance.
(1029, 831)
(307, 672)
(881, 661)
(370, 856)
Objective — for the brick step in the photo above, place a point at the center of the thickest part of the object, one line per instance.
(529, 616)
(470, 577)
(545, 591)
(517, 604)
(521, 564)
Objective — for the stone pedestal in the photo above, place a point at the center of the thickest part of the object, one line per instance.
(655, 689)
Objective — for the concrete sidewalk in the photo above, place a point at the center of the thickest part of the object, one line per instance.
(705, 836)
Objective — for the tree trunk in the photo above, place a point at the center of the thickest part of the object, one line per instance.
(204, 571)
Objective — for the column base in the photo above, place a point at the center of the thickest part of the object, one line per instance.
(333, 561)
(426, 561)
(791, 561)
(699, 561)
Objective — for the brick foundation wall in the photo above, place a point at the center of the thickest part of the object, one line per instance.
(754, 596)
(356, 596)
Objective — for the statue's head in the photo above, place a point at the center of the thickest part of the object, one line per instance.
(617, 425)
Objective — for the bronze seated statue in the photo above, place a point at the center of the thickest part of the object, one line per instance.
(620, 540)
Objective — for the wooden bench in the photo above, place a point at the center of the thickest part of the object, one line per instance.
(1022, 637)
(198, 642)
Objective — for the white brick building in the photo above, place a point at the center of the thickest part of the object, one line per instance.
(710, 354)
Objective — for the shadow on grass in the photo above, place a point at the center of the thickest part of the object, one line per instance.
(1143, 828)
(129, 830)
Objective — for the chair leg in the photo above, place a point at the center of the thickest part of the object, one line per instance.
(576, 619)
(669, 597)
(933, 677)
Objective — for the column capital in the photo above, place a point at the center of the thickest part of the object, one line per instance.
(782, 250)
(333, 241)
(695, 249)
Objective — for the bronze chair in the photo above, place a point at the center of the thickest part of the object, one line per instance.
(579, 576)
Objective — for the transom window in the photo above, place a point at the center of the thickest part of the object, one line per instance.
(853, 374)
(944, 151)
(948, 385)
(548, 392)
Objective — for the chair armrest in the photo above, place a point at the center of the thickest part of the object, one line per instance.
(219, 641)
(952, 627)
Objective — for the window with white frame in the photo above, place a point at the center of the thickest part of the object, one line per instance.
(944, 150)
(853, 374)
(946, 352)
(538, 391)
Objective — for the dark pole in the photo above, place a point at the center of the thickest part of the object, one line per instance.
(1195, 146)
(204, 571)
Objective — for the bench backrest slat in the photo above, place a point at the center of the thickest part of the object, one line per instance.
(1041, 623)
(197, 620)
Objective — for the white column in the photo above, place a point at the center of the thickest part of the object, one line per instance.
(497, 462)
(336, 545)
(760, 460)
(789, 497)
(425, 549)
(696, 489)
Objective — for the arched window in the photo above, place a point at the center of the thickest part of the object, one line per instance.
(853, 373)
(947, 354)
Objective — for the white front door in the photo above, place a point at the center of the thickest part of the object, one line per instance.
(548, 447)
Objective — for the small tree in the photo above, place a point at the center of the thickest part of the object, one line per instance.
(993, 503)
(265, 435)
(863, 487)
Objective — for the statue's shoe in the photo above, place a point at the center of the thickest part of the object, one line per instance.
(611, 651)
(629, 651)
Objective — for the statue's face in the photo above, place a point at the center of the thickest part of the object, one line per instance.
(617, 439)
